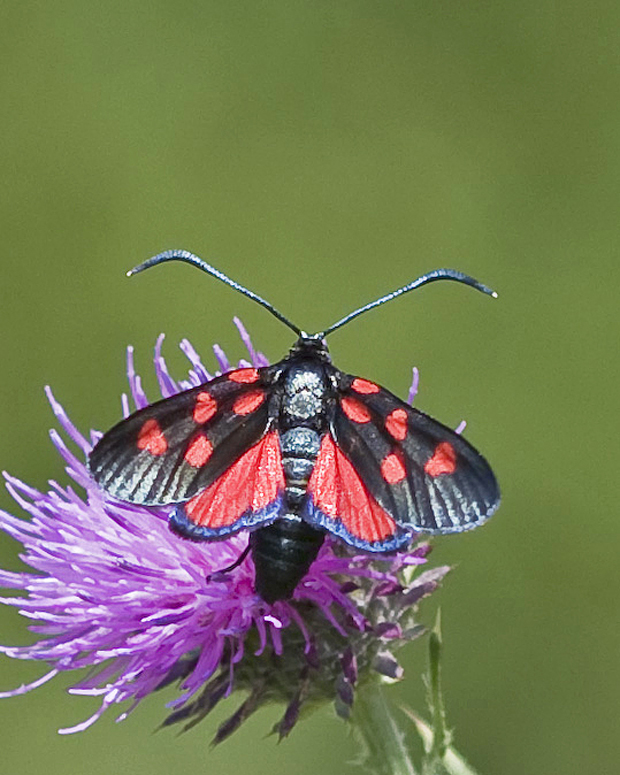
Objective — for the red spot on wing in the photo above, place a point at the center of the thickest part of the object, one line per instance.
(206, 407)
(396, 424)
(355, 410)
(251, 483)
(249, 402)
(393, 468)
(151, 439)
(443, 460)
(339, 492)
(243, 375)
(364, 386)
(199, 451)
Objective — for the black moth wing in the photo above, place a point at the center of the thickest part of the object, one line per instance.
(437, 494)
(137, 475)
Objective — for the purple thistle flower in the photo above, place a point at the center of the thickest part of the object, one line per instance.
(115, 591)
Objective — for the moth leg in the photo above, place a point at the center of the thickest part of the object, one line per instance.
(218, 575)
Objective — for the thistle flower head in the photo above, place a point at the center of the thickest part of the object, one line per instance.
(113, 590)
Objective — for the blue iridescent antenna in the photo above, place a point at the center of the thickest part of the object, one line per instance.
(429, 277)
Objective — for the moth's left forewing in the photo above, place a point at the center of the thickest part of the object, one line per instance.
(171, 450)
(421, 472)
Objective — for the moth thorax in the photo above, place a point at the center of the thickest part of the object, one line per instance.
(305, 386)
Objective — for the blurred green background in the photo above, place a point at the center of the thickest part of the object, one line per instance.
(324, 153)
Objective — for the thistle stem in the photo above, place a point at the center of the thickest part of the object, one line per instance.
(384, 751)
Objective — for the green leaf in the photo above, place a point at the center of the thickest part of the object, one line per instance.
(452, 762)
(440, 757)
(383, 743)
(441, 734)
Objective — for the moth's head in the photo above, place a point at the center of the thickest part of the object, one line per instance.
(311, 346)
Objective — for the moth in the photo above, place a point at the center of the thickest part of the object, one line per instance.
(294, 451)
